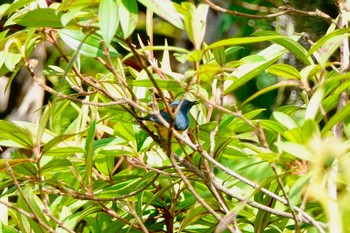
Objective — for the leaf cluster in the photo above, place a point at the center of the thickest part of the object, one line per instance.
(89, 166)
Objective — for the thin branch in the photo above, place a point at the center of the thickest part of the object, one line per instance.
(316, 13)
(115, 215)
(265, 144)
(193, 191)
(305, 217)
(83, 196)
(246, 181)
(131, 210)
(283, 10)
(33, 215)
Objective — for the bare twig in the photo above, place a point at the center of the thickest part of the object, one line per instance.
(33, 215)
(247, 181)
(305, 217)
(282, 11)
(131, 210)
(193, 191)
(115, 215)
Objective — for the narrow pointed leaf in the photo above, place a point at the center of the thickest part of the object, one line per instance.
(165, 9)
(89, 153)
(246, 72)
(42, 17)
(128, 16)
(109, 19)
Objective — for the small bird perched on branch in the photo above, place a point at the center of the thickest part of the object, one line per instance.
(181, 120)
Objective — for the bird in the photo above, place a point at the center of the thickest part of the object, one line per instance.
(181, 120)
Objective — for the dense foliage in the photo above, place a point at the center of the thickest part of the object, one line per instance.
(267, 149)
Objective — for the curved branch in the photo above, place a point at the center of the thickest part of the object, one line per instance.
(283, 10)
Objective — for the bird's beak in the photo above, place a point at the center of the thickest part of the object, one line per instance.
(195, 102)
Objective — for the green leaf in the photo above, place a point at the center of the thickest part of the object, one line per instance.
(326, 51)
(298, 188)
(10, 59)
(128, 17)
(42, 124)
(337, 118)
(250, 59)
(285, 120)
(195, 21)
(246, 72)
(196, 213)
(104, 164)
(12, 135)
(3, 34)
(64, 151)
(41, 17)
(165, 9)
(311, 129)
(272, 126)
(68, 4)
(56, 140)
(126, 186)
(289, 43)
(284, 71)
(194, 56)
(293, 135)
(91, 47)
(109, 19)
(7, 229)
(298, 150)
(164, 84)
(89, 153)
(36, 206)
(12, 163)
(72, 220)
(16, 5)
(55, 165)
(314, 104)
(327, 38)
(270, 88)
(309, 71)
(239, 41)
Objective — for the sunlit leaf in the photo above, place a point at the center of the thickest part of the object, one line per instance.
(128, 16)
(336, 118)
(327, 50)
(194, 56)
(284, 71)
(240, 41)
(12, 135)
(195, 213)
(41, 17)
(246, 72)
(285, 120)
(195, 21)
(164, 84)
(165, 9)
(310, 129)
(327, 38)
(298, 150)
(297, 190)
(12, 163)
(10, 59)
(91, 46)
(270, 88)
(109, 19)
(89, 153)
(16, 5)
(314, 104)
(289, 43)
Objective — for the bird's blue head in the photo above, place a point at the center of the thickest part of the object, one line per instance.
(186, 105)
